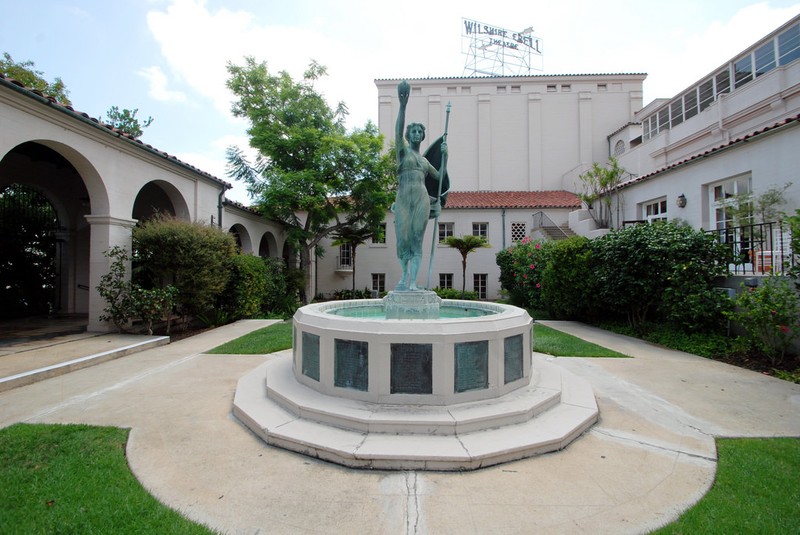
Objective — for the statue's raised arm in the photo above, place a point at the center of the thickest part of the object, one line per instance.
(403, 90)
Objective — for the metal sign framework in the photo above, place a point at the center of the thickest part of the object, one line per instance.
(496, 51)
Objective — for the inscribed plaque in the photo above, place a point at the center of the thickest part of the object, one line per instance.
(512, 358)
(412, 369)
(351, 364)
(311, 355)
(471, 366)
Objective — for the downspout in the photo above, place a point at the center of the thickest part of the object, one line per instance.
(504, 228)
(219, 204)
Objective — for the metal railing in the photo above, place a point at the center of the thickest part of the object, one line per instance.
(541, 220)
(757, 249)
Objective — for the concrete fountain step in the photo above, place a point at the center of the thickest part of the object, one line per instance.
(382, 443)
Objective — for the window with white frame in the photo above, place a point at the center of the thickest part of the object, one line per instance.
(479, 284)
(379, 282)
(619, 147)
(445, 231)
(345, 255)
(481, 229)
(731, 202)
(446, 280)
(518, 231)
(655, 210)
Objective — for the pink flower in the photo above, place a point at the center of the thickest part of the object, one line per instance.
(784, 329)
(538, 284)
(525, 275)
(538, 245)
(533, 266)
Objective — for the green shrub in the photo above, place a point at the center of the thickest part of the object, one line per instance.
(191, 256)
(521, 268)
(646, 269)
(770, 315)
(246, 286)
(568, 284)
(452, 293)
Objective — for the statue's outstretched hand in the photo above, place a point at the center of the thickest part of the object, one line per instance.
(403, 90)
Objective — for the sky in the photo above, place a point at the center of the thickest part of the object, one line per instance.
(167, 58)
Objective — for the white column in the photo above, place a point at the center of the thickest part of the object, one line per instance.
(106, 232)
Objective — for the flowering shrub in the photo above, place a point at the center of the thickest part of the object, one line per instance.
(770, 315)
(521, 268)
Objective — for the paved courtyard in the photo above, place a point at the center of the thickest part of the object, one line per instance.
(651, 455)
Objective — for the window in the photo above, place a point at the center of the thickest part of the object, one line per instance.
(479, 284)
(516, 89)
(789, 45)
(518, 231)
(690, 104)
(619, 147)
(481, 229)
(663, 119)
(379, 282)
(743, 71)
(765, 58)
(729, 199)
(501, 89)
(566, 87)
(446, 280)
(602, 87)
(445, 231)
(676, 111)
(655, 211)
(381, 238)
(706, 93)
(723, 82)
(551, 88)
(345, 256)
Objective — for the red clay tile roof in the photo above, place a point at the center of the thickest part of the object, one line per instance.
(512, 199)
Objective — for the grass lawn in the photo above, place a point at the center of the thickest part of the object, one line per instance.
(276, 337)
(756, 490)
(560, 344)
(75, 479)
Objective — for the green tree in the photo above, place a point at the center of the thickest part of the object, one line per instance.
(465, 245)
(310, 173)
(126, 121)
(25, 73)
(598, 184)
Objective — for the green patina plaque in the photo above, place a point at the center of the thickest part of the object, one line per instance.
(471, 366)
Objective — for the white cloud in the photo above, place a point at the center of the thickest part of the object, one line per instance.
(158, 85)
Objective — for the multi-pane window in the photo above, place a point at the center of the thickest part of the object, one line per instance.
(481, 229)
(690, 104)
(381, 236)
(723, 82)
(479, 284)
(676, 111)
(789, 45)
(345, 255)
(518, 231)
(445, 280)
(743, 71)
(731, 203)
(445, 231)
(655, 211)
(765, 58)
(706, 93)
(619, 147)
(379, 282)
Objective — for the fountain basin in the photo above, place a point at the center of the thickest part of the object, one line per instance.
(348, 349)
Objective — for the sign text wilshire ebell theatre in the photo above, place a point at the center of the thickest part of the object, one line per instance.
(501, 36)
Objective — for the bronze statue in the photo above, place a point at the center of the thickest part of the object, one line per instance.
(421, 193)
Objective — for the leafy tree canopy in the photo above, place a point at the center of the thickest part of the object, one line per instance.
(126, 121)
(310, 173)
(25, 73)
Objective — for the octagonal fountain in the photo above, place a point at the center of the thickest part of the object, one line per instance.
(414, 382)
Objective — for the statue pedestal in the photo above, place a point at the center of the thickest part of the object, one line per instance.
(411, 305)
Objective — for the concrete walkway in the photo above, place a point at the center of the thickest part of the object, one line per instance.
(650, 457)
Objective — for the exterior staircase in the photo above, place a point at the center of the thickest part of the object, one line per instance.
(556, 233)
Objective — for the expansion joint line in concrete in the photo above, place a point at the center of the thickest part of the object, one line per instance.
(652, 445)
(412, 503)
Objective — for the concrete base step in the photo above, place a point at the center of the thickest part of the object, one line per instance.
(542, 418)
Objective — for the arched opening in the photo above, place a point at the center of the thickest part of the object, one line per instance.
(29, 268)
(159, 197)
(44, 233)
(268, 246)
(242, 237)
